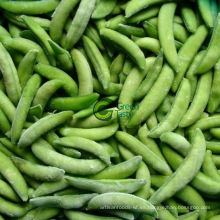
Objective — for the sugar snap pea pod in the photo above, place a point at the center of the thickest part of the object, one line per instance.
(29, 7)
(113, 22)
(5, 35)
(176, 141)
(154, 98)
(133, 203)
(13, 176)
(130, 30)
(187, 52)
(65, 202)
(95, 134)
(70, 165)
(119, 171)
(103, 8)
(103, 186)
(4, 123)
(125, 44)
(213, 146)
(151, 77)
(97, 61)
(42, 126)
(180, 33)
(198, 104)
(165, 31)
(128, 64)
(209, 167)
(150, 29)
(215, 132)
(73, 103)
(50, 72)
(14, 30)
(24, 104)
(10, 76)
(59, 18)
(84, 72)
(215, 91)
(86, 145)
(38, 172)
(5, 151)
(189, 18)
(189, 168)
(149, 157)
(176, 112)
(216, 159)
(212, 53)
(151, 44)
(79, 23)
(71, 215)
(42, 36)
(205, 12)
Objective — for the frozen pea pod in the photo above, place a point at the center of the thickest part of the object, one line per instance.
(42, 126)
(14, 30)
(65, 202)
(180, 33)
(84, 72)
(177, 111)
(98, 62)
(187, 53)
(151, 44)
(212, 54)
(70, 165)
(103, 186)
(13, 176)
(134, 203)
(215, 132)
(125, 44)
(23, 106)
(113, 23)
(214, 146)
(130, 30)
(95, 134)
(38, 172)
(60, 17)
(4, 123)
(119, 171)
(154, 98)
(51, 72)
(79, 23)
(86, 145)
(185, 172)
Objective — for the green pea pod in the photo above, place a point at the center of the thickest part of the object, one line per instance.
(42, 126)
(130, 30)
(113, 22)
(79, 23)
(150, 44)
(14, 30)
(214, 146)
(4, 123)
(126, 44)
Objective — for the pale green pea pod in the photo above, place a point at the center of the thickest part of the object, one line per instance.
(65, 202)
(38, 172)
(133, 203)
(128, 65)
(113, 22)
(216, 160)
(13, 176)
(176, 141)
(139, 148)
(70, 165)
(130, 30)
(119, 171)
(214, 146)
(4, 35)
(4, 123)
(95, 134)
(215, 132)
(180, 33)
(176, 112)
(152, 121)
(79, 23)
(103, 186)
(42, 126)
(151, 44)
(5, 151)
(14, 30)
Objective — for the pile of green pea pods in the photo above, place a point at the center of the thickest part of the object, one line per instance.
(110, 109)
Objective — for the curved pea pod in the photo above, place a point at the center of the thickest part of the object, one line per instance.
(50, 72)
(13, 176)
(29, 7)
(5, 35)
(176, 112)
(103, 186)
(154, 98)
(95, 134)
(84, 72)
(38, 172)
(215, 132)
(4, 123)
(103, 8)
(60, 17)
(42, 126)
(133, 203)
(130, 30)
(70, 165)
(212, 54)
(119, 171)
(214, 146)
(73, 103)
(185, 173)
(125, 44)
(85, 145)
(151, 44)
(149, 157)
(65, 202)
(79, 23)
(10, 76)
(113, 22)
